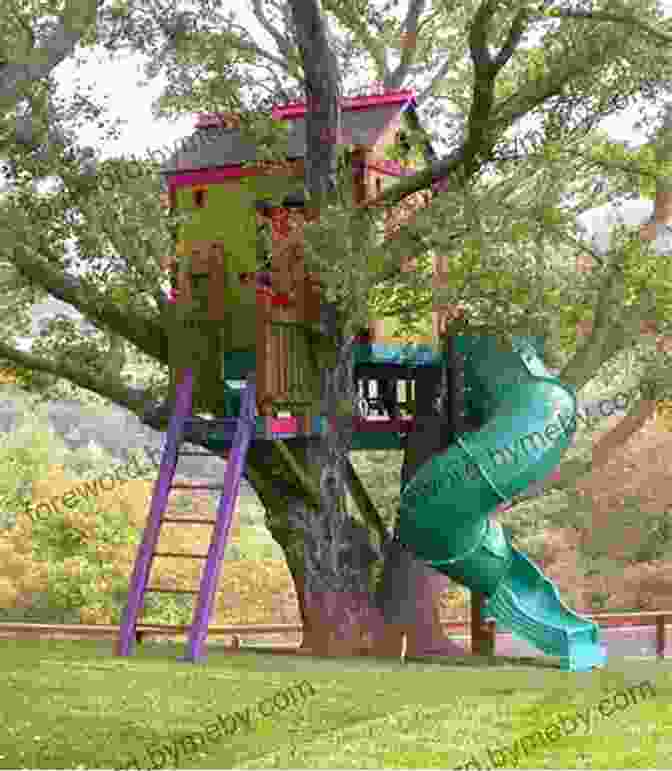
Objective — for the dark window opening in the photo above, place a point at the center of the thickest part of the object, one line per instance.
(404, 143)
(264, 247)
(199, 198)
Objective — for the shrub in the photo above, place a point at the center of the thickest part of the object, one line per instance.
(75, 564)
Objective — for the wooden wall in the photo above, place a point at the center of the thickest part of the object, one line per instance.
(284, 372)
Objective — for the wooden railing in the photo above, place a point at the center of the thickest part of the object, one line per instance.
(482, 643)
(283, 367)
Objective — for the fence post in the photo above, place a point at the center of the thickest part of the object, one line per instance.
(265, 352)
(482, 633)
(490, 632)
(660, 636)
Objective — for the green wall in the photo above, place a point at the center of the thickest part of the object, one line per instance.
(229, 215)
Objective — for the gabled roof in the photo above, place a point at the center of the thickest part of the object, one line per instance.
(364, 120)
(351, 103)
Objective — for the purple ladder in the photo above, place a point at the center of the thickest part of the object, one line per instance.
(145, 557)
(244, 431)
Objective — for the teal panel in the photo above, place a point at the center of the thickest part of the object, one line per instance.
(237, 363)
(379, 440)
(411, 354)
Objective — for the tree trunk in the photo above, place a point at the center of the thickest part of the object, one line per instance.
(351, 623)
(340, 612)
(329, 554)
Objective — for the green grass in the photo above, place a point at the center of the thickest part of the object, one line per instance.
(73, 705)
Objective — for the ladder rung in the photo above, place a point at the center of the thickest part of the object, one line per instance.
(175, 554)
(171, 591)
(189, 521)
(212, 421)
(197, 487)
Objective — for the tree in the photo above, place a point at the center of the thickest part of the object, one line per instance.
(504, 228)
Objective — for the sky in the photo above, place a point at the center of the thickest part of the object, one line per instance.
(129, 101)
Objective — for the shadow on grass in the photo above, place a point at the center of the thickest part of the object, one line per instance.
(482, 662)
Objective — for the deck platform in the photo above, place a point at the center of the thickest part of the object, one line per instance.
(373, 433)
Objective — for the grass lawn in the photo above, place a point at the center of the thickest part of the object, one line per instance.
(74, 705)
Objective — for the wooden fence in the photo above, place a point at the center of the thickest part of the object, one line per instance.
(482, 642)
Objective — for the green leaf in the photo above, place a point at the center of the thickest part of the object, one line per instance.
(520, 231)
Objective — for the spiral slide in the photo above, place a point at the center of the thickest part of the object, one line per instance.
(527, 420)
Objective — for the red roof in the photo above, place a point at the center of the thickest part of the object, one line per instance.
(298, 109)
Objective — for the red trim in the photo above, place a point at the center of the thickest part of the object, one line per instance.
(281, 299)
(212, 176)
(391, 169)
(216, 119)
(285, 425)
(211, 120)
(298, 109)
(362, 425)
(278, 299)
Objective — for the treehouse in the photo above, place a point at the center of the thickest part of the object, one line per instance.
(247, 311)
(243, 299)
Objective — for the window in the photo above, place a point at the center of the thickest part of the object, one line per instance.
(404, 144)
(200, 196)
(264, 245)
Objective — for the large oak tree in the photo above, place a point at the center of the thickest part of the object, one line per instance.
(504, 223)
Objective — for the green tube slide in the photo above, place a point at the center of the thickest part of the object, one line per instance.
(527, 420)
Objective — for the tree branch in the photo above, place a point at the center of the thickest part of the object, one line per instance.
(440, 75)
(516, 32)
(351, 20)
(479, 129)
(395, 80)
(478, 37)
(144, 333)
(590, 357)
(323, 92)
(625, 18)
(73, 23)
(622, 432)
(132, 399)
(247, 45)
(364, 503)
(529, 97)
(283, 43)
(613, 440)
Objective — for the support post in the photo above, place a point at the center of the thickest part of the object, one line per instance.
(482, 634)
(660, 636)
